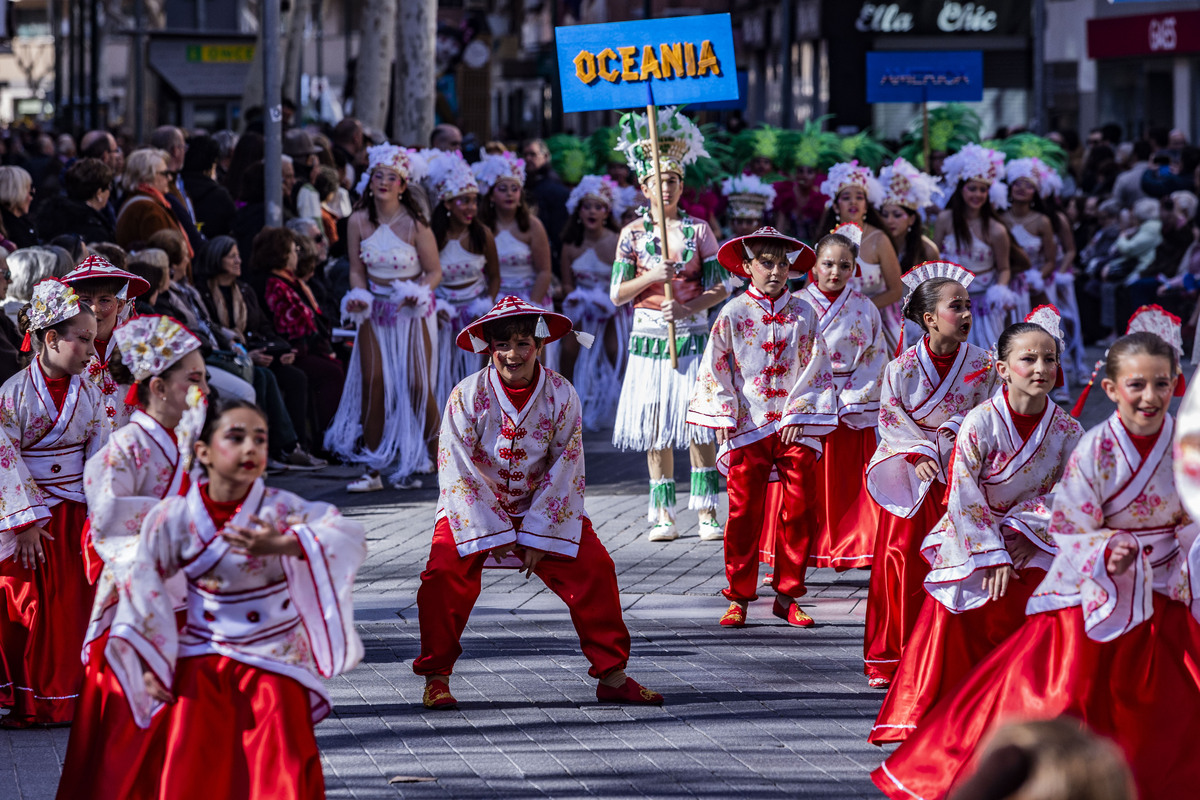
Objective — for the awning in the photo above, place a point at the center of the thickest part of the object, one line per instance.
(205, 67)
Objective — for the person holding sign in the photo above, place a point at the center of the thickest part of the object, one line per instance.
(671, 288)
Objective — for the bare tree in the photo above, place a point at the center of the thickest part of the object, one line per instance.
(376, 53)
(416, 79)
(294, 22)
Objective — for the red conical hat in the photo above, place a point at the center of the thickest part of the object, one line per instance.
(552, 326)
(95, 266)
(733, 253)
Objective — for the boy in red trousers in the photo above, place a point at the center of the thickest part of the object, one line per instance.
(510, 469)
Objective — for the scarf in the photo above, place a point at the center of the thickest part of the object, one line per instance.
(238, 321)
(158, 197)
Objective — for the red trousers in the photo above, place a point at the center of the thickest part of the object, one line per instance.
(238, 732)
(897, 588)
(749, 470)
(451, 583)
(44, 615)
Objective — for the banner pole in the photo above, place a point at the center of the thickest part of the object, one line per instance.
(661, 213)
(925, 129)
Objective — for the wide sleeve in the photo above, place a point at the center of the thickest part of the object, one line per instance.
(1112, 604)
(554, 521)
(891, 479)
(625, 264)
(858, 403)
(1030, 517)
(115, 510)
(474, 513)
(144, 629)
(812, 401)
(321, 583)
(21, 500)
(714, 402)
(968, 539)
(102, 425)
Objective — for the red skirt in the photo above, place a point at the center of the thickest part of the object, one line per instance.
(897, 588)
(238, 732)
(849, 517)
(1139, 690)
(108, 756)
(44, 615)
(942, 649)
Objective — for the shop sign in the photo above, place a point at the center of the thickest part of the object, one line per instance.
(1144, 35)
(668, 61)
(220, 53)
(936, 17)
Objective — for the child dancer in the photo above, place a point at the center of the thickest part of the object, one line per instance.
(765, 386)
(470, 265)
(589, 249)
(512, 483)
(269, 613)
(1112, 637)
(108, 755)
(54, 420)
(970, 233)
(1032, 230)
(652, 410)
(108, 291)
(990, 551)
(852, 328)
(926, 392)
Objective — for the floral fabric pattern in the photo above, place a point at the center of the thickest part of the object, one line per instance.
(853, 332)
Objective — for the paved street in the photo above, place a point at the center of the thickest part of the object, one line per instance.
(766, 711)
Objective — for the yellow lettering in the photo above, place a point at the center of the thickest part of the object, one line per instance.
(628, 67)
(585, 67)
(671, 56)
(689, 55)
(606, 72)
(708, 59)
(650, 64)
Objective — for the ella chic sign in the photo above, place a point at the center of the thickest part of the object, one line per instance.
(934, 17)
(1144, 35)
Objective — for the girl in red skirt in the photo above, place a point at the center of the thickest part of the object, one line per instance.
(269, 614)
(926, 392)
(52, 420)
(991, 549)
(1112, 637)
(108, 755)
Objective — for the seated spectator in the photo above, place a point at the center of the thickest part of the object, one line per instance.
(248, 150)
(145, 210)
(327, 186)
(251, 216)
(10, 339)
(81, 211)
(74, 246)
(282, 387)
(299, 319)
(211, 202)
(1137, 246)
(16, 195)
(1178, 174)
(27, 267)
(154, 272)
(226, 140)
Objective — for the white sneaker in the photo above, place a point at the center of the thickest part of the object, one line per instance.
(664, 532)
(367, 483)
(408, 483)
(711, 531)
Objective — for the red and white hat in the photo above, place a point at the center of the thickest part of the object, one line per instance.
(733, 254)
(95, 266)
(550, 326)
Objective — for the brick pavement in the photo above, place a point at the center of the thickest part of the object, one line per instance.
(766, 711)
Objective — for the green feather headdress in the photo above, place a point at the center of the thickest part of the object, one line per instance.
(570, 159)
(1030, 145)
(866, 149)
(951, 127)
(810, 146)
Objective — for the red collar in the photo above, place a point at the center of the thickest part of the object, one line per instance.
(519, 397)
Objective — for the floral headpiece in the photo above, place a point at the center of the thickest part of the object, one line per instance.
(150, 345)
(53, 302)
(597, 187)
(449, 176)
(680, 142)
(977, 163)
(406, 162)
(1162, 323)
(934, 269)
(849, 173)
(490, 169)
(906, 186)
(749, 196)
(851, 230)
(1049, 319)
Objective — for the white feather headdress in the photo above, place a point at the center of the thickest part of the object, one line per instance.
(748, 196)
(849, 173)
(489, 169)
(905, 185)
(978, 163)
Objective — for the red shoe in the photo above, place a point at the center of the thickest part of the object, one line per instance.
(630, 693)
(437, 697)
(735, 616)
(792, 614)
(879, 682)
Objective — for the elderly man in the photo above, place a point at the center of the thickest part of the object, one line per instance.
(547, 192)
(171, 140)
(446, 137)
(102, 145)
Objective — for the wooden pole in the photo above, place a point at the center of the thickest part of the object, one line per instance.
(925, 134)
(661, 213)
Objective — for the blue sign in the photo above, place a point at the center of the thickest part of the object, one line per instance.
(895, 76)
(659, 62)
(743, 79)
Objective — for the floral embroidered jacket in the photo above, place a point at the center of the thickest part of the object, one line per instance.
(919, 415)
(1000, 488)
(853, 333)
(292, 616)
(113, 393)
(765, 367)
(1109, 494)
(139, 466)
(509, 476)
(52, 446)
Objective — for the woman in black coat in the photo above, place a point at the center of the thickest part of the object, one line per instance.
(83, 210)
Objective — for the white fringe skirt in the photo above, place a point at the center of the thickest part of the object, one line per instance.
(454, 363)
(597, 377)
